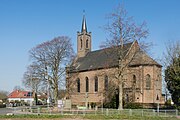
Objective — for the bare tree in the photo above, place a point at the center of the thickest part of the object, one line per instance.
(32, 77)
(122, 29)
(70, 84)
(172, 70)
(51, 57)
(3, 95)
(172, 51)
(165, 90)
(17, 87)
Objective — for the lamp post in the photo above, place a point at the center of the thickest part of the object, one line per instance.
(86, 100)
(31, 94)
(102, 102)
(48, 90)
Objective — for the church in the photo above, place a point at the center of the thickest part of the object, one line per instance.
(90, 78)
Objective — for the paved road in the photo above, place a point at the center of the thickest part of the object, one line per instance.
(4, 111)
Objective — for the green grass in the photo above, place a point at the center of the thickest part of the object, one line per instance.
(124, 117)
(93, 117)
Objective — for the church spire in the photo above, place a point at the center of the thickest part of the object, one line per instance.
(84, 27)
(83, 39)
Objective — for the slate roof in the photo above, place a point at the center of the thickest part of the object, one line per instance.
(141, 58)
(107, 58)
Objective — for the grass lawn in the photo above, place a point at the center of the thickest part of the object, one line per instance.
(81, 117)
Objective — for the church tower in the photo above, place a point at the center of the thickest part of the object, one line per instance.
(83, 40)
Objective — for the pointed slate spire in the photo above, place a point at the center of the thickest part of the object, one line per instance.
(83, 39)
(84, 27)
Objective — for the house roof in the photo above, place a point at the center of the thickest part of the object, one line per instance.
(20, 94)
(107, 58)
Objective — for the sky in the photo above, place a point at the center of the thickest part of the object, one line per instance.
(26, 23)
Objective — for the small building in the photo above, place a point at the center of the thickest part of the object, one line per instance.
(18, 95)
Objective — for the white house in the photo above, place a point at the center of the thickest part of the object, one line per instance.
(18, 95)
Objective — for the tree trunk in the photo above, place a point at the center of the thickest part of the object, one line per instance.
(56, 93)
(56, 90)
(120, 95)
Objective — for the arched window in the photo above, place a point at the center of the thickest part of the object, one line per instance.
(87, 43)
(87, 84)
(78, 85)
(81, 43)
(157, 82)
(96, 84)
(148, 82)
(106, 83)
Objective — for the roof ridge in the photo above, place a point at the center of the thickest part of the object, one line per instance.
(110, 47)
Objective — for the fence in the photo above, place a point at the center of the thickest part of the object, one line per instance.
(126, 112)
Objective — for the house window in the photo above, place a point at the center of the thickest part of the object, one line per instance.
(106, 83)
(148, 82)
(87, 43)
(29, 94)
(96, 84)
(87, 84)
(78, 85)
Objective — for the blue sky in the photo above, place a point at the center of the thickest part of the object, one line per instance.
(26, 23)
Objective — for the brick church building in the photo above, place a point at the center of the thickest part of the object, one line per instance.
(91, 75)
